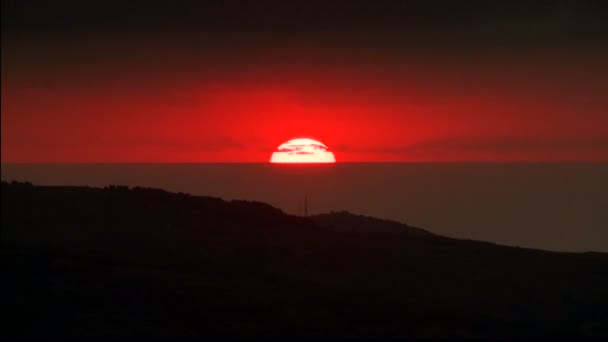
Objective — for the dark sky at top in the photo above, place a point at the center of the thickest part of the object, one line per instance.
(231, 80)
(456, 22)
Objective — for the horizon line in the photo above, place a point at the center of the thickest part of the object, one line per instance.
(300, 164)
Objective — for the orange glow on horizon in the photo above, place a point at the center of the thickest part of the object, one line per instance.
(302, 151)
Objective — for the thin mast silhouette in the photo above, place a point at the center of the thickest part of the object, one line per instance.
(300, 207)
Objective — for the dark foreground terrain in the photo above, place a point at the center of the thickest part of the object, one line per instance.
(88, 262)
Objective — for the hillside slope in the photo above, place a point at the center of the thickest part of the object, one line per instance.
(144, 262)
(344, 221)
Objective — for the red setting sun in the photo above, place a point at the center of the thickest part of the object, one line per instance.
(302, 151)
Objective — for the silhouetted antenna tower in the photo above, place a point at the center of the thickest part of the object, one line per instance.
(300, 207)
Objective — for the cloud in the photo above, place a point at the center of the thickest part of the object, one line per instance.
(484, 145)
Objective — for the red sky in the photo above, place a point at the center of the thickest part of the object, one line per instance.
(235, 97)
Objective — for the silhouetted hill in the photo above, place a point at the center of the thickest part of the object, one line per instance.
(138, 262)
(345, 221)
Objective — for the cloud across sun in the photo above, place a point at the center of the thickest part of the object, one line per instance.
(302, 151)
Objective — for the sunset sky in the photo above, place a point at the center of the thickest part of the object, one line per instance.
(375, 81)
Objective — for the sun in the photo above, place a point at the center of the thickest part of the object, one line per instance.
(302, 151)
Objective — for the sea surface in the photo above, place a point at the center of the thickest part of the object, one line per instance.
(551, 206)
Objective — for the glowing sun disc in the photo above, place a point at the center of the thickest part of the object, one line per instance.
(302, 151)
